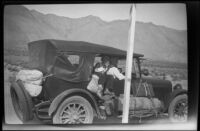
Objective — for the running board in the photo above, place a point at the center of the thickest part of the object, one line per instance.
(41, 110)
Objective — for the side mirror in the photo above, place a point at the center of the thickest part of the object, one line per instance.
(145, 72)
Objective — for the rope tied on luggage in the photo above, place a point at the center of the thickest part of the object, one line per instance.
(32, 80)
(149, 95)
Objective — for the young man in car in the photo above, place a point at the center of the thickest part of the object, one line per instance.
(112, 72)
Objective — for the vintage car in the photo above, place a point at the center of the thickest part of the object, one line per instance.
(67, 68)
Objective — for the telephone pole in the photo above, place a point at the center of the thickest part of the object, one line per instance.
(129, 60)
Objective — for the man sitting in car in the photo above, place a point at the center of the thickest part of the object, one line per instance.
(112, 72)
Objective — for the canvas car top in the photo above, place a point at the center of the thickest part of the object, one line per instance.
(80, 46)
(52, 57)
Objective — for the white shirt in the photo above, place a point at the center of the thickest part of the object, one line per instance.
(115, 73)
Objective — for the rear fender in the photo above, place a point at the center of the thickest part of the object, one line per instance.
(71, 92)
(173, 95)
(19, 84)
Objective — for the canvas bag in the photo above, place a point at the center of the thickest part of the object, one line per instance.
(138, 103)
(32, 80)
(93, 84)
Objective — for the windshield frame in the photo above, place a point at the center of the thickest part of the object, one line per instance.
(137, 70)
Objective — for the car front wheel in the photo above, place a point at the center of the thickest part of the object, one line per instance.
(178, 109)
(74, 110)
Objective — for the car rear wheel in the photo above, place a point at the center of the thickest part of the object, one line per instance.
(178, 109)
(74, 110)
(22, 102)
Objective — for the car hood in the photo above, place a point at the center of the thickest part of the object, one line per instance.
(158, 82)
(162, 88)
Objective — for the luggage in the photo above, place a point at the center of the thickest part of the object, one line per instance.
(93, 84)
(29, 75)
(141, 103)
(33, 90)
(109, 104)
(32, 80)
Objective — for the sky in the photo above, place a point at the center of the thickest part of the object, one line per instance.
(169, 15)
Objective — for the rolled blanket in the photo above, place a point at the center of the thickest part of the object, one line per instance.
(33, 90)
(32, 80)
(93, 84)
(139, 103)
(157, 103)
(29, 75)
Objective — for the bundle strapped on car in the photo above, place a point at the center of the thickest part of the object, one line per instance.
(140, 102)
(32, 80)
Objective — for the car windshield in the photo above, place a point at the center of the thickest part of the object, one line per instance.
(135, 66)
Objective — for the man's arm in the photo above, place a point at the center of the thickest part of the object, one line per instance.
(117, 74)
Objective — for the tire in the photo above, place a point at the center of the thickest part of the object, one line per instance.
(178, 109)
(22, 102)
(81, 107)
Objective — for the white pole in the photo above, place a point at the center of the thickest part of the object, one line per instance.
(129, 59)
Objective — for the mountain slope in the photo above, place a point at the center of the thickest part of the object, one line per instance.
(156, 42)
(20, 27)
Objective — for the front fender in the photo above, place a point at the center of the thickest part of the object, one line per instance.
(71, 92)
(173, 95)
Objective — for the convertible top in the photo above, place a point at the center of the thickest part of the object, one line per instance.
(48, 57)
(80, 46)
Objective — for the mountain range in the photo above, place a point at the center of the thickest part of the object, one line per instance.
(156, 42)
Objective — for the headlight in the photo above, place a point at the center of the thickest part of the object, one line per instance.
(177, 86)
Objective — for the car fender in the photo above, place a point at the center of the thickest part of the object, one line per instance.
(174, 94)
(19, 84)
(71, 92)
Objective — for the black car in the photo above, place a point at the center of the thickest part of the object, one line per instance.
(67, 67)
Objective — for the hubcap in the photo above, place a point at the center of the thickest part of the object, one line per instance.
(74, 113)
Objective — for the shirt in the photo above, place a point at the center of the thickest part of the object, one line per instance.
(115, 73)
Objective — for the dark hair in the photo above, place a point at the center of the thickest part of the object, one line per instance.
(105, 59)
(97, 65)
(113, 61)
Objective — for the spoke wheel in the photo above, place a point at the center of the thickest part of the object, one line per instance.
(178, 109)
(74, 110)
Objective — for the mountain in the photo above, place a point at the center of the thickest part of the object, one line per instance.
(155, 42)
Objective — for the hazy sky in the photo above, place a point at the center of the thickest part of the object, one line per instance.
(170, 15)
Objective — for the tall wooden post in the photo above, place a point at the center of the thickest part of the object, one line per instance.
(129, 60)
